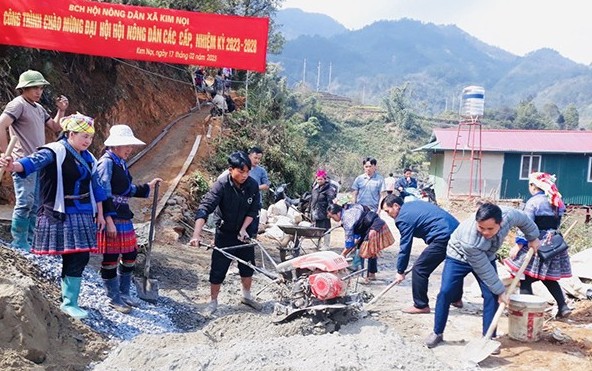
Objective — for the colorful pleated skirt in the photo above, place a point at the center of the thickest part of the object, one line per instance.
(125, 241)
(370, 248)
(552, 269)
(76, 233)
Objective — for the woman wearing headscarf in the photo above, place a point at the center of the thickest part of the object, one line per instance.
(71, 203)
(118, 242)
(365, 231)
(322, 196)
(545, 208)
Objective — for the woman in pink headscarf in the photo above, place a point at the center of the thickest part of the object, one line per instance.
(546, 208)
(323, 194)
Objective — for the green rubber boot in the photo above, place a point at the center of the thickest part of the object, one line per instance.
(70, 292)
(19, 229)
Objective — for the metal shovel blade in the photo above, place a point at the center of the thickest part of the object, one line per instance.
(147, 289)
(478, 350)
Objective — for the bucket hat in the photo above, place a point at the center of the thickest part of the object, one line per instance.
(31, 78)
(122, 135)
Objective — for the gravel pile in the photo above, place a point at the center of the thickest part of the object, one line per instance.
(145, 319)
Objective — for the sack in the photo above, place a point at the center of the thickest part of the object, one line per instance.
(552, 244)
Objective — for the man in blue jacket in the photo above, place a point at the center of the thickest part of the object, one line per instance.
(432, 224)
(472, 249)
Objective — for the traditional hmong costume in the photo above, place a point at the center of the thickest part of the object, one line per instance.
(117, 181)
(69, 192)
(119, 251)
(546, 209)
(358, 221)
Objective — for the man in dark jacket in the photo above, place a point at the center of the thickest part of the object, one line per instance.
(234, 200)
(432, 224)
(322, 196)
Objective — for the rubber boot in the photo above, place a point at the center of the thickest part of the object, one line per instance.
(112, 288)
(31, 230)
(70, 292)
(20, 230)
(125, 282)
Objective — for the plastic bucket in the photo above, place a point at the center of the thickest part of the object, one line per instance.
(526, 317)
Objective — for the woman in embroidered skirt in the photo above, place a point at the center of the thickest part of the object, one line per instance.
(118, 242)
(363, 229)
(71, 198)
(546, 208)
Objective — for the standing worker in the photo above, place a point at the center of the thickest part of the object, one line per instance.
(26, 119)
(367, 188)
(322, 196)
(545, 208)
(234, 200)
(430, 223)
(119, 238)
(71, 203)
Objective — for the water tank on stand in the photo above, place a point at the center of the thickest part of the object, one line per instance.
(472, 102)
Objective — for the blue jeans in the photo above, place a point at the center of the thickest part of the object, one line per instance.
(24, 214)
(452, 281)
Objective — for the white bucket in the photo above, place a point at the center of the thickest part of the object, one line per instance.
(526, 317)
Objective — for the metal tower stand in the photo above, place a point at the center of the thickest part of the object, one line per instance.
(467, 152)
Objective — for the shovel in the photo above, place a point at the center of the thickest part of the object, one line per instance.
(9, 149)
(146, 287)
(384, 291)
(478, 350)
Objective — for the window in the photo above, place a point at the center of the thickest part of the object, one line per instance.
(590, 169)
(529, 164)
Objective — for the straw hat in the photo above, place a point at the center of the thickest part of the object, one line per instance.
(122, 135)
(31, 78)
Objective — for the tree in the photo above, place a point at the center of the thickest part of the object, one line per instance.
(572, 117)
(528, 117)
(399, 113)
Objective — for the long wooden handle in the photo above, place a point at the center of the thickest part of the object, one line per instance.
(385, 290)
(512, 287)
(7, 154)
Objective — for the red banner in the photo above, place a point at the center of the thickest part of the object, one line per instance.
(134, 32)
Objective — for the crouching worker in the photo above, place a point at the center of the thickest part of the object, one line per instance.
(119, 238)
(234, 200)
(71, 198)
(363, 230)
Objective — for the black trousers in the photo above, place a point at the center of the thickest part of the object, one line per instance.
(553, 286)
(73, 264)
(428, 261)
(221, 263)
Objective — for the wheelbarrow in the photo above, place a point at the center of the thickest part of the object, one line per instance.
(298, 234)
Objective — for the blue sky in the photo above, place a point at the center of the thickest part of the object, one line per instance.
(518, 26)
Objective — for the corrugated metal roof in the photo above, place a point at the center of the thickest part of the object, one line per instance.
(551, 141)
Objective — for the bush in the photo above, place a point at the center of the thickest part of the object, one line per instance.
(198, 186)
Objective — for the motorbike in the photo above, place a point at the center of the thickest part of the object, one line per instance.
(428, 193)
(424, 193)
(300, 203)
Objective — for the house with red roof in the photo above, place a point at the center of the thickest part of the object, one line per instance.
(505, 160)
